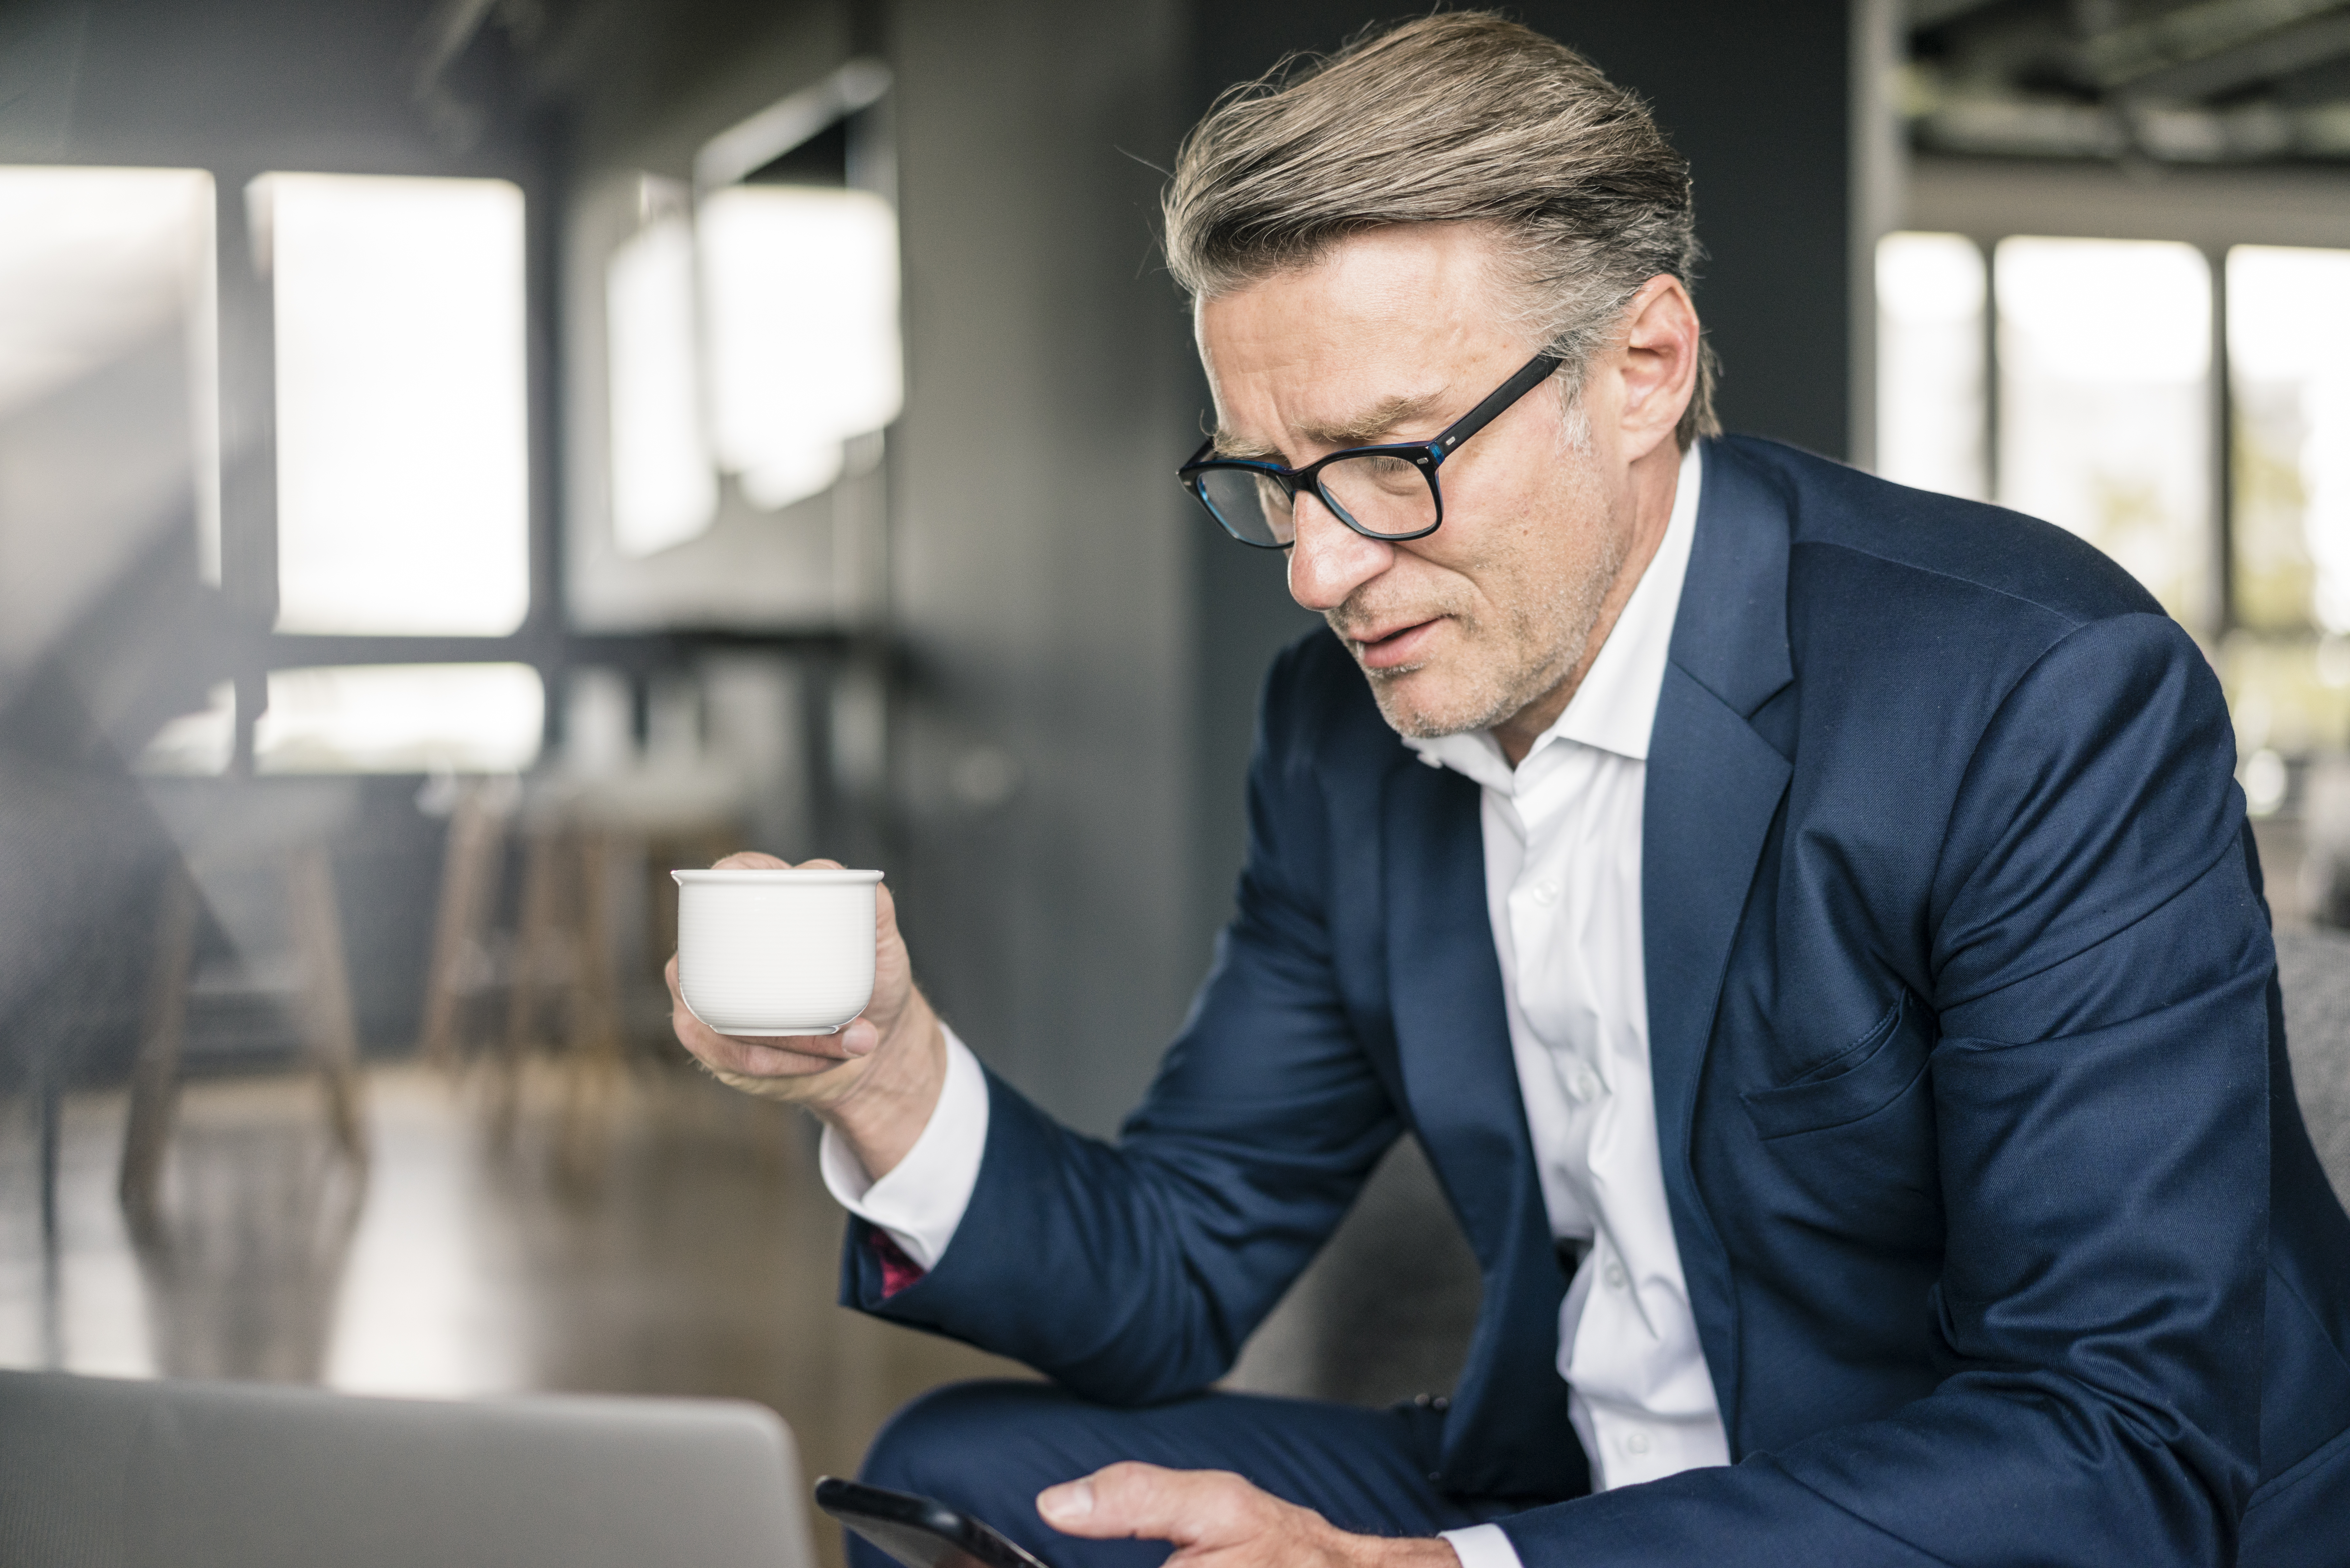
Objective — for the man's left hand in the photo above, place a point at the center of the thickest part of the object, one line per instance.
(1216, 1519)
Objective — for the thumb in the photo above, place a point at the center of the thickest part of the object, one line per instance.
(1188, 1507)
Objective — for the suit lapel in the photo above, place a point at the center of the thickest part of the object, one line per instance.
(1713, 786)
(1509, 1435)
(1452, 1034)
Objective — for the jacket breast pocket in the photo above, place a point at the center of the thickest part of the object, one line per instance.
(1880, 1068)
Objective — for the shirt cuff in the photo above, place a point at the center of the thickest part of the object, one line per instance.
(920, 1203)
(1483, 1546)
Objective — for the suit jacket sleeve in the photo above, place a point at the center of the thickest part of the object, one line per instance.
(1133, 1271)
(2100, 963)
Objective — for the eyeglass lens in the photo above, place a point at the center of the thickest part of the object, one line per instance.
(1380, 494)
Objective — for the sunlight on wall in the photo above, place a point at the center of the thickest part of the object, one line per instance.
(1930, 363)
(664, 491)
(2103, 412)
(800, 316)
(401, 719)
(402, 456)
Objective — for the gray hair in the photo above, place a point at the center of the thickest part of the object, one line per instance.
(1462, 117)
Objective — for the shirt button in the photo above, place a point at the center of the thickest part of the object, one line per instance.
(1614, 1275)
(1545, 892)
(1636, 1443)
(1586, 1086)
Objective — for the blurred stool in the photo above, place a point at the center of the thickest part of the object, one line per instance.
(564, 999)
(589, 933)
(463, 966)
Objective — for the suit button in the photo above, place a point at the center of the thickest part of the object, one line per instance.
(1421, 1400)
(1442, 1403)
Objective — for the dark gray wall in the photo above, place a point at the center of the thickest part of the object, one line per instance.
(1041, 574)
(1758, 98)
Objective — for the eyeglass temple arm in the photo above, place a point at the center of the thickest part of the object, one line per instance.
(1536, 372)
(1532, 374)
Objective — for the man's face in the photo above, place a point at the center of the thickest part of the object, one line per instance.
(1392, 336)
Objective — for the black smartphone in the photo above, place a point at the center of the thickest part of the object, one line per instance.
(918, 1531)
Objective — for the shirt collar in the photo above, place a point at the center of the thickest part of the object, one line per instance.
(1615, 707)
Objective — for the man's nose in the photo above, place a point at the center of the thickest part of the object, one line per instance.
(1328, 560)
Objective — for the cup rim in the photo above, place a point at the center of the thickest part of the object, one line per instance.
(755, 876)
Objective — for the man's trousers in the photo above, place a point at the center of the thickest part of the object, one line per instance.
(988, 1448)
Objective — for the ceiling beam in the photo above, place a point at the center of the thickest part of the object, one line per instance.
(2192, 33)
(2265, 59)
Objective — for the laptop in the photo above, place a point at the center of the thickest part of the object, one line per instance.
(98, 1472)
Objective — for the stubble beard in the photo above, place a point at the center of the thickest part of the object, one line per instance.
(1519, 655)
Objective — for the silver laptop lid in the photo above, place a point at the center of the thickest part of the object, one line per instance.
(110, 1473)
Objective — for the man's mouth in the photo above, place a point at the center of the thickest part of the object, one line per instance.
(1388, 647)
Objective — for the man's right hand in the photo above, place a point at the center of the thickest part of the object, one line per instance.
(876, 1081)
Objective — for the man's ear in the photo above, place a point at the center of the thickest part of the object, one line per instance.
(1657, 363)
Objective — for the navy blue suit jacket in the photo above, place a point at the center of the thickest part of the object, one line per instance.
(2004, 1239)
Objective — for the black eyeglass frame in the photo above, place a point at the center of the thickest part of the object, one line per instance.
(1427, 457)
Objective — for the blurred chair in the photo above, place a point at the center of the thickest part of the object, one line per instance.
(81, 852)
(255, 864)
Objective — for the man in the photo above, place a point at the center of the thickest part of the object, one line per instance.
(1810, 924)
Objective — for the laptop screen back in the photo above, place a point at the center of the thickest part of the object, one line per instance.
(112, 1473)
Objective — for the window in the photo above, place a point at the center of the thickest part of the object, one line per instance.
(2093, 403)
(109, 399)
(2103, 350)
(664, 490)
(800, 284)
(402, 459)
(750, 360)
(2289, 352)
(1931, 364)
(781, 302)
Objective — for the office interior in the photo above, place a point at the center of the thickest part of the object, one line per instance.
(461, 460)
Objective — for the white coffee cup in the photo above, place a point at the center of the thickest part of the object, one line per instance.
(775, 953)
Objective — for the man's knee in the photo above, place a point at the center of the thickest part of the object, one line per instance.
(941, 1443)
(988, 1448)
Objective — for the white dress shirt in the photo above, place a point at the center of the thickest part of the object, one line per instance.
(1562, 835)
(1562, 842)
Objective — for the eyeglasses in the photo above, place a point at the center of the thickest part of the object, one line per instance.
(1386, 492)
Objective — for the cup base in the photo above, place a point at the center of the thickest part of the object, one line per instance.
(776, 1034)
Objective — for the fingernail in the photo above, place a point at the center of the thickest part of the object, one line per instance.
(1071, 1501)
